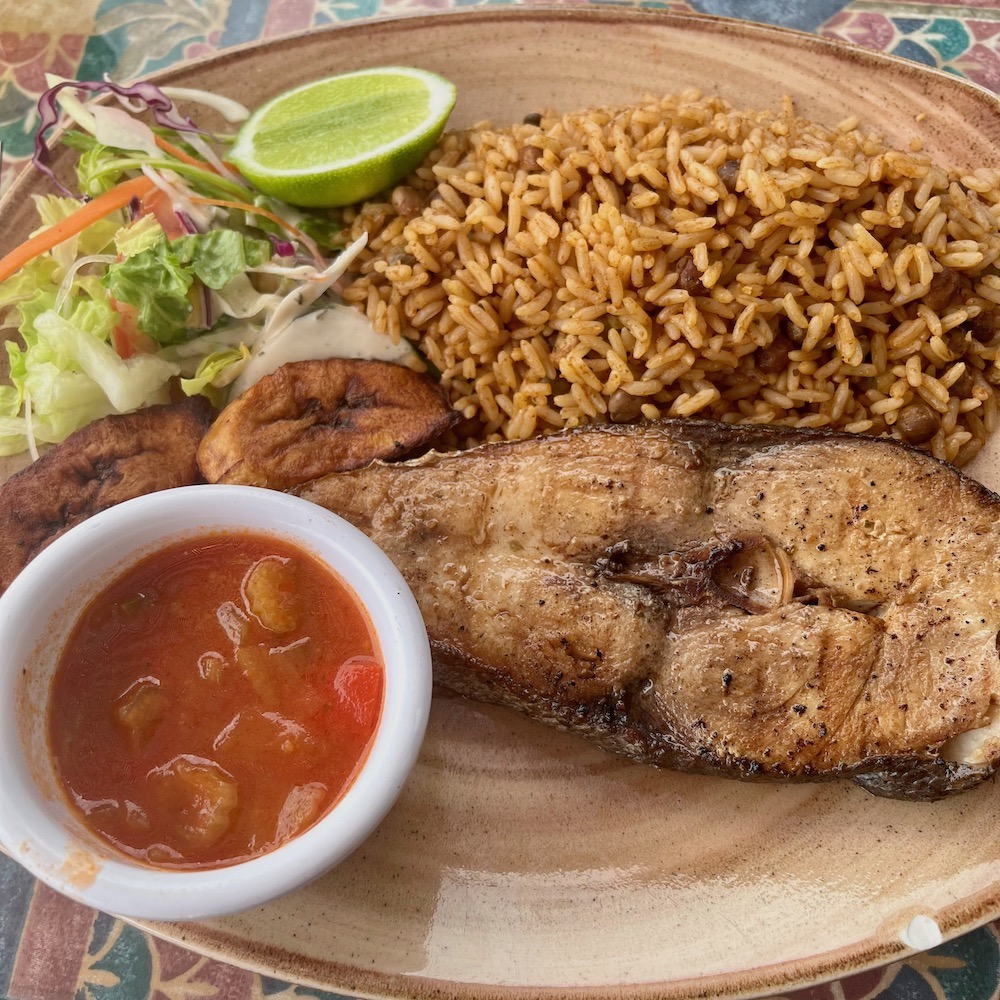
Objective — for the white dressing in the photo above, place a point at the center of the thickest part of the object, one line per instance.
(336, 331)
(241, 300)
(280, 325)
(297, 302)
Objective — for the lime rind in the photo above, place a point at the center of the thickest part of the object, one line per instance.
(441, 96)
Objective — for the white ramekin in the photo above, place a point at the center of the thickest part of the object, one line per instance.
(36, 615)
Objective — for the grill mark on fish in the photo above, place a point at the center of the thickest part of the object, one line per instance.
(650, 587)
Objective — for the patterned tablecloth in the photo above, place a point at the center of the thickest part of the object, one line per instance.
(52, 948)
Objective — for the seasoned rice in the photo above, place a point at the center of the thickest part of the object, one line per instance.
(680, 258)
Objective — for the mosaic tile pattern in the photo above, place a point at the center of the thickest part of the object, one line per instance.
(52, 948)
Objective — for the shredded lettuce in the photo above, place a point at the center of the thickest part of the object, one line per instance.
(325, 232)
(43, 300)
(216, 372)
(13, 433)
(157, 285)
(161, 107)
(157, 280)
(16, 365)
(25, 284)
(71, 374)
(241, 300)
(143, 234)
(218, 256)
(91, 169)
(224, 337)
(14, 437)
(71, 350)
(117, 128)
(94, 239)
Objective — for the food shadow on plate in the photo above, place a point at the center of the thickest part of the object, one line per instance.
(505, 825)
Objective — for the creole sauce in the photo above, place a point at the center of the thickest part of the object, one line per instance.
(214, 701)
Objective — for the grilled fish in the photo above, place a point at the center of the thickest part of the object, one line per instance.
(751, 602)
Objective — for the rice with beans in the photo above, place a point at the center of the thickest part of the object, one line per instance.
(681, 258)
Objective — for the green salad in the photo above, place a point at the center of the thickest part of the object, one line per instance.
(164, 271)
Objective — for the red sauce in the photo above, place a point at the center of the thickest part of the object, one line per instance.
(215, 700)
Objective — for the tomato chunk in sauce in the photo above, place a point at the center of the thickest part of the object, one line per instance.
(215, 700)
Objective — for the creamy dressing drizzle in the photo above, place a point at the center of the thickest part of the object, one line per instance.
(294, 331)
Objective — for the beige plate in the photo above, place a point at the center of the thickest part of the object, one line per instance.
(519, 859)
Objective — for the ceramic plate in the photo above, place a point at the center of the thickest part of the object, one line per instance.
(520, 861)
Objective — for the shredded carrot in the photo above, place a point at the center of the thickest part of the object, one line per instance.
(179, 154)
(87, 214)
(245, 206)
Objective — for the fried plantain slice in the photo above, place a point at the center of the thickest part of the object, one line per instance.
(111, 460)
(311, 418)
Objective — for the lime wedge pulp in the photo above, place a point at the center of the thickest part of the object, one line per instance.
(342, 139)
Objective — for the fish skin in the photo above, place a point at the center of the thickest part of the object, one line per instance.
(592, 580)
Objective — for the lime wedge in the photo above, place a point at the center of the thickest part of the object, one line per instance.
(341, 140)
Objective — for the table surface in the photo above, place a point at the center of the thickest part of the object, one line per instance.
(52, 948)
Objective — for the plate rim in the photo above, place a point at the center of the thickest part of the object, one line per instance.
(593, 10)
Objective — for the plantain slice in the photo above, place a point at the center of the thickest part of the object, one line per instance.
(111, 460)
(311, 418)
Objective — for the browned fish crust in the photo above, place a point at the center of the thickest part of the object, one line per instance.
(751, 602)
(310, 418)
(109, 461)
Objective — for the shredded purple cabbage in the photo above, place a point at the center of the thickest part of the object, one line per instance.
(187, 222)
(282, 247)
(149, 94)
(134, 207)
